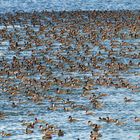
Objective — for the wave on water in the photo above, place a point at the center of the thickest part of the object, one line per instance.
(67, 5)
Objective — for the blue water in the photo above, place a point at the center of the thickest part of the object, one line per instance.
(114, 105)
(60, 5)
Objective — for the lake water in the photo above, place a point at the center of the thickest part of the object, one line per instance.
(68, 5)
(113, 104)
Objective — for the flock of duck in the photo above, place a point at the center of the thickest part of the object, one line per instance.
(62, 72)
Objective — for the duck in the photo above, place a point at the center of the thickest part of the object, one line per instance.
(4, 134)
(52, 107)
(70, 119)
(91, 124)
(39, 121)
(14, 105)
(119, 123)
(31, 125)
(127, 100)
(60, 132)
(50, 126)
(58, 91)
(47, 136)
(28, 131)
(2, 115)
(67, 109)
(136, 119)
(96, 128)
(68, 101)
(28, 124)
(89, 112)
(102, 95)
(85, 93)
(94, 135)
(30, 113)
(76, 106)
(102, 119)
(97, 104)
(110, 120)
(42, 129)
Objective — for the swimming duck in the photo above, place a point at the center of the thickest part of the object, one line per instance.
(2, 115)
(102, 95)
(28, 124)
(52, 107)
(119, 123)
(47, 136)
(30, 113)
(127, 100)
(89, 112)
(97, 104)
(39, 121)
(50, 126)
(31, 125)
(70, 119)
(102, 119)
(96, 128)
(136, 119)
(94, 135)
(67, 109)
(91, 124)
(110, 120)
(42, 129)
(28, 131)
(68, 101)
(60, 133)
(4, 134)
(14, 105)
(58, 91)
